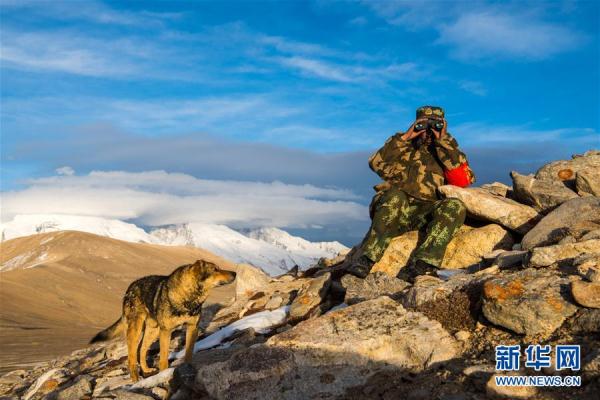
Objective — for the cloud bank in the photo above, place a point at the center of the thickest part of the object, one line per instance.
(154, 198)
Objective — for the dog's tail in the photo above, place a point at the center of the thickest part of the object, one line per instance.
(110, 332)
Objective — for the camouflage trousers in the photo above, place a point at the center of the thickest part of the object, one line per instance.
(394, 212)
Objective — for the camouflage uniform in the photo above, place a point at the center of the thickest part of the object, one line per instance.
(407, 200)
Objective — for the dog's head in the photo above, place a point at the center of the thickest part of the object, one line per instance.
(211, 275)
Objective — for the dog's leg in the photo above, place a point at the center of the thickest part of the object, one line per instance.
(191, 334)
(134, 334)
(150, 336)
(165, 341)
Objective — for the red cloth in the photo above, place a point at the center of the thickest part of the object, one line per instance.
(459, 176)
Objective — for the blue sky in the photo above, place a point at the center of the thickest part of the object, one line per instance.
(294, 92)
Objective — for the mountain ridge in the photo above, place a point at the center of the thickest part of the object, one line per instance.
(271, 249)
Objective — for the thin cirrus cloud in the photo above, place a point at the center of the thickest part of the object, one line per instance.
(156, 198)
(354, 73)
(479, 35)
(481, 30)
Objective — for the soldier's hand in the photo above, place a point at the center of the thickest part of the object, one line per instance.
(442, 132)
(411, 133)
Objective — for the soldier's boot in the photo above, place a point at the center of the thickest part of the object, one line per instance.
(361, 267)
(416, 268)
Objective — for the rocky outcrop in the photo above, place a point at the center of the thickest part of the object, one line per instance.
(310, 297)
(488, 207)
(566, 170)
(587, 182)
(543, 195)
(562, 253)
(470, 246)
(373, 286)
(466, 249)
(586, 293)
(531, 302)
(574, 218)
(322, 357)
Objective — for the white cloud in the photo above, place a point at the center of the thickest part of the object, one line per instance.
(479, 30)
(66, 170)
(479, 35)
(473, 87)
(80, 54)
(159, 198)
(352, 73)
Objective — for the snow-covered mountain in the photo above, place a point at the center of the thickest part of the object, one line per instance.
(296, 245)
(272, 249)
(24, 225)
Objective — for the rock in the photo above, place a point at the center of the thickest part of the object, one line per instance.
(588, 266)
(595, 234)
(483, 205)
(588, 182)
(78, 390)
(159, 393)
(321, 357)
(562, 253)
(47, 382)
(566, 170)
(127, 395)
(542, 195)
(527, 302)
(469, 246)
(376, 284)
(309, 298)
(586, 293)
(591, 364)
(497, 189)
(575, 218)
(510, 392)
(249, 280)
(463, 336)
(586, 321)
(510, 258)
(397, 254)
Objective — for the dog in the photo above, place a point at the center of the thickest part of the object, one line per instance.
(155, 305)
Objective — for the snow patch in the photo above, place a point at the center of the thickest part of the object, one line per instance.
(261, 322)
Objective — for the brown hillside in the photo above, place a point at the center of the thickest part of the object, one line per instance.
(57, 289)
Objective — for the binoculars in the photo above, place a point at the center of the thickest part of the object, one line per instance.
(434, 124)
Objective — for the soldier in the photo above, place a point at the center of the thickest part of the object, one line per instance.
(413, 165)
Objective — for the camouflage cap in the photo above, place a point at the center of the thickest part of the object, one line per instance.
(430, 112)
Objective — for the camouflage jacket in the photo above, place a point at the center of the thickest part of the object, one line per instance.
(419, 171)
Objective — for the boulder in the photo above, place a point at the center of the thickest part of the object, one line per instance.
(488, 207)
(249, 280)
(588, 266)
(529, 302)
(497, 188)
(397, 254)
(587, 182)
(510, 258)
(575, 217)
(586, 293)
(563, 254)
(78, 390)
(566, 170)
(509, 392)
(310, 297)
(586, 321)
(321, 357)
(376, 284)
(542, 195)
(469, 247)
